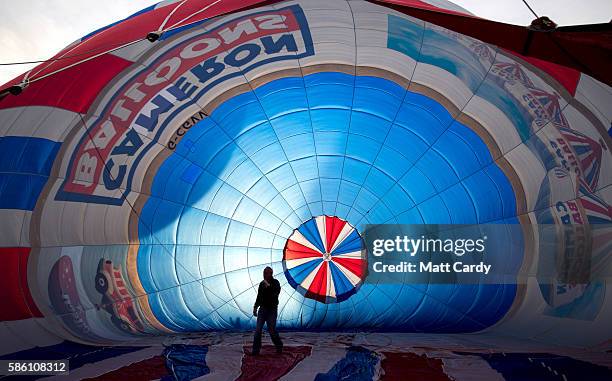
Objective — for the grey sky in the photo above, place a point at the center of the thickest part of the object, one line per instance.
(36, 29)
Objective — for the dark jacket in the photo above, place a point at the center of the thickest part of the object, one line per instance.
(267, 297)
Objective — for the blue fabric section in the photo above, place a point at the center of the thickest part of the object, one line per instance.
(351, 243)
(265, 162)
(542, 366)
(359, 364)
(310, 231)
(25, 164)
(299, 273)
(341, 283)
(186, 362)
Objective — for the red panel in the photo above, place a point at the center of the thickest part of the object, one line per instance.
(410, 366)
(269, 365)
(149, 369)
(298, 247)
(354, 265)
(73, 89)
(566, 76)
(583, 48)
(319, 283)
(424, 5)
(332, 229)
(16, 302)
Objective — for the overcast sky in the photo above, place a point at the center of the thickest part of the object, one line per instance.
(36, 29)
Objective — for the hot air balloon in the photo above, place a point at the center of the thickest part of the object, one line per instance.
(153, 168)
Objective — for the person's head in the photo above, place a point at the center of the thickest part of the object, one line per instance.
(267, 273)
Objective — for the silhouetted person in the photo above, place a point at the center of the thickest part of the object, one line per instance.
(267, 302)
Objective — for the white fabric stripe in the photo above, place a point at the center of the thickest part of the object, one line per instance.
(345, 232)
(13, 224)
(297, 237)
(224, 363)
(308, 280)
(20, 335)
(331, 288)
(469, 368)
(291, 263)
(44, 122)
(321, 226)
(320, 361)
(354, 279)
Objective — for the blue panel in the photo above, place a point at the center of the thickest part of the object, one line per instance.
(25, 164)
(350, 244)
(310, 231)
(238, 185)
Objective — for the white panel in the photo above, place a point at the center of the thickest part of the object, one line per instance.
(11, 221)
(373, 19)
(40, 121)
(529, 170)
(443, 82)
(25, 229)
(606, 194)
(496, 122)
(330, 53)
(320, 361)
(597, 97)
(386, 59)
(72, 222)
(50, 219)
(324, 4)
(8, 117)
(134, 51)
(329, 18)
(334, 35)
(580, 123)
(25, 334)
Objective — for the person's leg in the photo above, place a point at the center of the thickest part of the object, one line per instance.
(261, 319)
(271, 322)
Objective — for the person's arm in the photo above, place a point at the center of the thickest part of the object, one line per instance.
(276, 288)
(257, 301)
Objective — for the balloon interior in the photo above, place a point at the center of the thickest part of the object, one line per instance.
(152, 171)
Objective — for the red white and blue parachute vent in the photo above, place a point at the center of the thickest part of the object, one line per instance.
(324, 259)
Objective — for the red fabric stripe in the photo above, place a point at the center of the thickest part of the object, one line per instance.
(594, 207)
(223, 7)
(149, 369)
(566, 76)
(319, 283)
(73, 89)
(295, 250)
(270, 366)
(411, 366)
(334, 226)
(16, 302)
(352, 264)
(426, 6)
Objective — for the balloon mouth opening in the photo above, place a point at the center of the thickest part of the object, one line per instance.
(324, 259)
